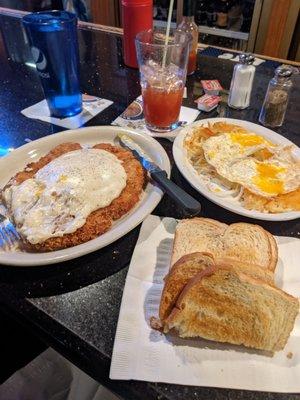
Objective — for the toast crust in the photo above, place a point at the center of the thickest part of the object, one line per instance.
(176, 280)
(274, 252)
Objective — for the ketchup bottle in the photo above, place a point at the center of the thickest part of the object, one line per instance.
(137, 16)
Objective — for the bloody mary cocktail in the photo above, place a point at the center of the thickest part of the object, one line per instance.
(162, 64)
(161, 106)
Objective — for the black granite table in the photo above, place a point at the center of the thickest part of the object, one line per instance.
(74, 306)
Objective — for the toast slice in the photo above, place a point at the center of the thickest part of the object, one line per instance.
(224, 305)
(198, 235)
(190, 265)
(240, 241)
(182, 271)
(250, 243)
(274, 252)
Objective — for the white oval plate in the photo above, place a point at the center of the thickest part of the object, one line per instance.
(179, 153)
(32, 151)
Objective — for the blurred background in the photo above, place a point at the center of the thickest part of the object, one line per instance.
(267, 27)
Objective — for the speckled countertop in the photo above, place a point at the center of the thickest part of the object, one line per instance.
(74, 306)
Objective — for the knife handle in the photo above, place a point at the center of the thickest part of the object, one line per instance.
(182, 198)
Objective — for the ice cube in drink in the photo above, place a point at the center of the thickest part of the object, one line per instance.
(162, 91)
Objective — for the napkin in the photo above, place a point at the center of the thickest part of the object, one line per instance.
(133, 118)
(91, 106)
(145, 354)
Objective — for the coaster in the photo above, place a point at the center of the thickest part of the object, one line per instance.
(91, 106)
(133, 118)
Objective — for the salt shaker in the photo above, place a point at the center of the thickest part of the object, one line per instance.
(242, 82)
(276, 100)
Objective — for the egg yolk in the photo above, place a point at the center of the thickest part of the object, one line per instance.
(267, 178)
(247, 140)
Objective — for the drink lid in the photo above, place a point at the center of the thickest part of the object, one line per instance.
(283, 72)
(246, 58)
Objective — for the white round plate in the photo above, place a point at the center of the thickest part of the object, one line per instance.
(32, 151)
(179, 153)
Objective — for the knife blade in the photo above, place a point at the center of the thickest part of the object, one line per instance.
(190, 205)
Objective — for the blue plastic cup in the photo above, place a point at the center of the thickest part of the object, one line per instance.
(53, 40)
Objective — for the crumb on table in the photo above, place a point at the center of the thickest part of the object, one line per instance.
(289, 355)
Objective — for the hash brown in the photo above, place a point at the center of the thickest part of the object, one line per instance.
(99, 221)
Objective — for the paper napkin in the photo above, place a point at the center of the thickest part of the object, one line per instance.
(133, 118)
(91, 107)
(145, 354)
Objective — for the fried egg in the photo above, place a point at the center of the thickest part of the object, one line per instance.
(233, 157)
(221, 150)
(268, 178)
(61, 195)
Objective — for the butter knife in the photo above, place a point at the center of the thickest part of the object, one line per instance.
(191, 206)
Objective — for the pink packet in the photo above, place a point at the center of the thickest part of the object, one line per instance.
(207, 102)
(211, 87)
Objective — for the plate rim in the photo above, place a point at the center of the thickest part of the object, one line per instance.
(139, 213)
(190, 175)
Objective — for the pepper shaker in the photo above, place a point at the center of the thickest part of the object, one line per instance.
(276, 100)
(242, 82)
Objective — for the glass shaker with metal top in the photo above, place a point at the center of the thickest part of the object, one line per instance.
(276, 100)
(242, 82)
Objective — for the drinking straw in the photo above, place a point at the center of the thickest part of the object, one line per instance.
(168, 32)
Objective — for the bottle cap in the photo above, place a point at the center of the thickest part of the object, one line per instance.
(189, 8)
(246, 58)
(283, 72)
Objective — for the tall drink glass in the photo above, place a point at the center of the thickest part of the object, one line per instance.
(163, 74)
(53, 40)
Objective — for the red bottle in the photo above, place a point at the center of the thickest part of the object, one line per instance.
(137, 16)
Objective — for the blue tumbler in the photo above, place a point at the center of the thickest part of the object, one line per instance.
(54, 46)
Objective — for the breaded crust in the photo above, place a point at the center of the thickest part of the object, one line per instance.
(100, 220)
